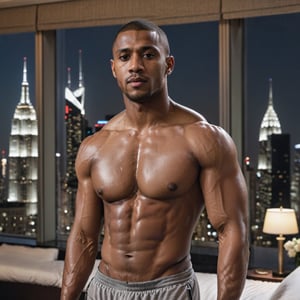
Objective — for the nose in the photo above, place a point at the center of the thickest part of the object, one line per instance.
(136, 64)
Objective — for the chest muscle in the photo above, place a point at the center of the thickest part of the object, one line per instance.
(158, 167)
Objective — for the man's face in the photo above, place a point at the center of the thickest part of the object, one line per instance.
(140, 64)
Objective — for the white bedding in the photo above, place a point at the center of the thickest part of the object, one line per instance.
(30, 265)
(28, 271)
(25, 269)
(254, 289)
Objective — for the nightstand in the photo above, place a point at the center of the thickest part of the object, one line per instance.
(263, 274)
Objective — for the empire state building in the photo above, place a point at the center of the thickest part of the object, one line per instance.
(23, 152)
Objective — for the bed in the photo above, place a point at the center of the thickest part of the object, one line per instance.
(35, 273)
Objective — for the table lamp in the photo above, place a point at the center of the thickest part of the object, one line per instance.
(280, 221)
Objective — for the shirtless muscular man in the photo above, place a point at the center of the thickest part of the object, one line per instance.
(146, 177)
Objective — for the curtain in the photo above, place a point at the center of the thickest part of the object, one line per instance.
(20, 19)
(86, 13)
(233, 9)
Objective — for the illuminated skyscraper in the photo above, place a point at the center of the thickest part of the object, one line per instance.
(76, 127)
(23, 152)
(273, 170)
(75, 124)
(269, 125)
(280, 182)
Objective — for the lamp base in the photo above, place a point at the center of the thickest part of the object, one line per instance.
(277, 274)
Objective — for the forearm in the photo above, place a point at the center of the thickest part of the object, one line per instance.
(80, 258)
(232, 266)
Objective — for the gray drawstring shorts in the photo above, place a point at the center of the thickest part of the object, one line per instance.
(181, 286)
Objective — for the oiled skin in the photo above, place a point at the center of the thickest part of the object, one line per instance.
(147, 175)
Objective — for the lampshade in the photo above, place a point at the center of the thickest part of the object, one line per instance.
(280, 221)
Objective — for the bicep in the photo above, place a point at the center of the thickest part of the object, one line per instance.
(88, 209)
(224, 192)
(88, 206)
(221, 180)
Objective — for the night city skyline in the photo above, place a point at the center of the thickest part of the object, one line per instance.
(272, 51)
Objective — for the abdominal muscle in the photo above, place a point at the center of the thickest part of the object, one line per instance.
(145, 239)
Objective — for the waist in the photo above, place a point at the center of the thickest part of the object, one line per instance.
(165, 281)
(144, 265)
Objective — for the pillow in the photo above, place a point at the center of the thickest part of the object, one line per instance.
(35, 253)
(289, 288)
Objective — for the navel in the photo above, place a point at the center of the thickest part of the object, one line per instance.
(172, 186)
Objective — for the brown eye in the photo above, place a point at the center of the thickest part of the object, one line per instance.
(124, 57)
(149, 55)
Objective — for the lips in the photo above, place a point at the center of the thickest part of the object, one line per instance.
(135, 80)
(136, 84)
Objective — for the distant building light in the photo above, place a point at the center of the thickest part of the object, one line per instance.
(297, 146)
(102, 122)
(247, 160)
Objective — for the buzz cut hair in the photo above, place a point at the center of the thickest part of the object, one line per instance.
(141, 24)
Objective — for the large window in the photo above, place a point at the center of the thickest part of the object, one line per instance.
(272, 115)
(85, 83)
(18, 136)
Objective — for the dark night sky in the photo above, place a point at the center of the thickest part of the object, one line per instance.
(272, 48)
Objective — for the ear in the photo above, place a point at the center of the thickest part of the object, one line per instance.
(170, 62)
(112, 65)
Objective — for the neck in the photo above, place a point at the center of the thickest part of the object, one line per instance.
(147, 114)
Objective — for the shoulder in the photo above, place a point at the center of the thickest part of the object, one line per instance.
(91, 145)
(213, 133)
(207, 141)
(210, 143)
(88, 150)
(203, 131)
(183, 115)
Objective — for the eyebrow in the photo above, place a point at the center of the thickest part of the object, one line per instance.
(143, 48)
